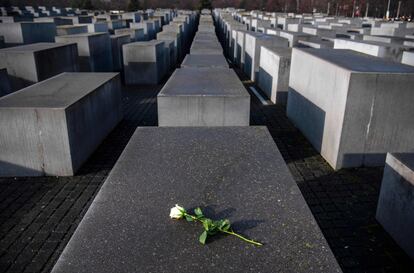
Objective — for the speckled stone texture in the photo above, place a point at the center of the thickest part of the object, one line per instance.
(233, 172)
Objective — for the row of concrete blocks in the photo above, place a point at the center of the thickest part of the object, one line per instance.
(195, 159)
(204, 91)
(52, 127)
(341, 102)
(95, 52)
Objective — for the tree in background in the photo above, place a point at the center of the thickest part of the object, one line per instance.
(82, 4)
(133, 5)
(205, 4)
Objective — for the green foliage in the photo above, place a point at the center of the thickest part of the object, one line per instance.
(134, 5)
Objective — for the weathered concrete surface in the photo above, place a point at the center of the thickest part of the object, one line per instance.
(236, 173)
(5, 86)
(97, 27)
(408, 58)
(94, 49)
(27, 32)
(71, 29)
(253, 42)
(28, 64)
(205, 60)
(359, 128)
(144, 62)
(136, 34)
(274, 69)
(392, 52)
(52, 127)
(395, 209)
(117, 41)
(206, 47)
(148, 27)
(203, 97)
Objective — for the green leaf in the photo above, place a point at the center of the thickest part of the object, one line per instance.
(203, 237)
(207, 224)
(198, 212)
(188, 218)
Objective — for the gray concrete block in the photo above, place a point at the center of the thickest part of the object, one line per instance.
(253, 42)
(392, 51)
(205, 60)
(236, 173)
(71, 29)
(5, 86)
(117, 41)
(273, 75)
(206, 47)
(408, 58)
(359, 128)
(27, 32)
(395, 210)
(147, 26)
(169, 35)
(203, 97)
(144, 62)
(52, 127)
(294, 37)
(28, 64)
(94, 50)
(136, 34)
(97, 27)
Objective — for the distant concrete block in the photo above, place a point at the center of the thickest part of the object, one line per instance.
(395, 209)
(28, 64)
(27, 32)
(117, 41)
(274, 69)
(206, 47)
(94, 49)
(136, 34)
(5, 86)
(147, 26)
(358, 129)
(408, 58)
(97, 27)
(391, 51)
(252, 51)
(144, 62)
(52, 127)
(203, 97)
(206, 60)
(71, 29)
(169, 35)
(294, 37)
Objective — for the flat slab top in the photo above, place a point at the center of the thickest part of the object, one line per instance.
(359, 62)
(201, 60)
(144, 43)
(231, 172)
(60, 91)
(194, 81)
(34, 47)
(82, 35)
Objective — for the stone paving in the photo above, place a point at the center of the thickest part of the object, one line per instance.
(38, 215)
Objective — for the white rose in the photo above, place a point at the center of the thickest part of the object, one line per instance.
(177, 212)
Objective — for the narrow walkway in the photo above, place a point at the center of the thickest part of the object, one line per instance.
(39, 215)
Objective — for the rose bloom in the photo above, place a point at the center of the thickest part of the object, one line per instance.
(177, 212)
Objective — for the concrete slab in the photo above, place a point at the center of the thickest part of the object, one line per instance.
(203, 97)
(144, 62)
(395, 209)
(5, 86)
(359, 128)
(117, 41)
(205, 60)
(27, 32)
(94, 50)
(253, 42)
(236, 173)
(408, 58)
(206, 47)
(52, 127)
(136, 34)
(273, 75)
(71, 29)
(392, 51)
(28, 64)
